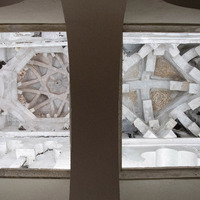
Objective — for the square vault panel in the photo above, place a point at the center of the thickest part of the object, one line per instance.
(160, 99)
(34, 100)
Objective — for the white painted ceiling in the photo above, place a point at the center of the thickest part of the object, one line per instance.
(158, 11)
(33, 11)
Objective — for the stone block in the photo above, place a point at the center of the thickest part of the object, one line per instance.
(18, 163)
(182, 64)
(128, 114)
(29, 154)
(154, 124)
(39, 148)
(197, 49)
(178, 110)
(194, 88)
(130, 61)
(168, 134)
(14, 144)
(174, 51)
(149, 134)
(125, 88)
(195, 74)
(184, 119)
(194, 128)
(141, 126)
(154, 45)
(148, 110)
(179, 86)
(170, 124)
(145, 50)
(160, 51)
(195, 103)
(189, 55)
(151, 63)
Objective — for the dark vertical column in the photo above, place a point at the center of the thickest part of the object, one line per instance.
(94, 31)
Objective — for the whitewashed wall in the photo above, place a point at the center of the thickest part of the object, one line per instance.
(40, 189)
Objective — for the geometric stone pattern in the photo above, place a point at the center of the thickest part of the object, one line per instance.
(161, 157)
(35, 88)
(166, 83)
(32, 39)
(43, 86)
(45, 153)
(160, 92)
(34, 101)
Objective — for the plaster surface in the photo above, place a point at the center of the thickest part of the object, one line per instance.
(51, 189)
(137, 11)
(158, 11)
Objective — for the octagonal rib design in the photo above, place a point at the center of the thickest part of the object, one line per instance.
(164, 81)
(43, 86)
(29, 92)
